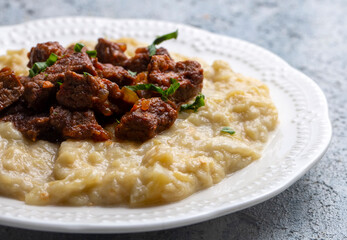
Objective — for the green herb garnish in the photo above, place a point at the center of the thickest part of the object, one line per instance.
(199, 102)
(51, 59)
(87, 74)
(59, 83)
(92, 53)
(32, 73)
(118, 122)
(164, 93)
(173, 87)
(133, 74)
(41, 66)
(78, 47)
(228, 130)
(152, 48)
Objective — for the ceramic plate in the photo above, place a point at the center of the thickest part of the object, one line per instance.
(299, 142)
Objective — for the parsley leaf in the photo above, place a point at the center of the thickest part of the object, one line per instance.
(51, 59)
(199, 102)
(164, 93)
(148, 86)
(87, 74)
(173, 87)
(41, 66)
(152, 49)
(92, 53)
(228, 130)
(78, 47)
(133, 74)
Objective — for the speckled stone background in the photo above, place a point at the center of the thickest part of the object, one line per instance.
(310, 35)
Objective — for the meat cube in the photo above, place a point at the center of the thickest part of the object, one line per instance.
(78, 62)
(10, 88)
(81, 92)
(115, 74)
(77, 124)
(117, 103)
(40, 91)
(41, 52)
(188, 73)
(32, 125)
(111, 52)
(139, 62)
(147, 118)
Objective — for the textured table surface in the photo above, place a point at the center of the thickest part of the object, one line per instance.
(311, 36)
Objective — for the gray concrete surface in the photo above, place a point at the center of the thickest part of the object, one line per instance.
(311, 36)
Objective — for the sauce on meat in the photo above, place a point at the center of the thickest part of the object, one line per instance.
(68, 99)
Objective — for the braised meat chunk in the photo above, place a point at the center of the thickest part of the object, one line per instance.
(10, 88)
(31, 124)
(139, 62)
(41, 52)
(40, 91)
(81, 92)
(188, 73)
(111, 52)
(77, 124)
(115, 74)
(78, 62)
(147, 118)
(33, 127)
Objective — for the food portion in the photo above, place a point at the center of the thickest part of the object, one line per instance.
(88, 86)
(103, 125)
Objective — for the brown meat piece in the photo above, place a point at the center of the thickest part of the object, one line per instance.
(111, 52)
(115, 74)
(80, 92)
(147, 118)
(10, 88)
(116, 102)
(40, 91)
(32, 125)
(139, 62)
(78, 62)
(77, 125)
(41, 52)
(188, 73)
(71, 49)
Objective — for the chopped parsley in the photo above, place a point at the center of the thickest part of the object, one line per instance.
(164, 93)
(173, 87)
(228, 130)
(133, 74)
(78, 47)
(59, 83)
(199, 102)
(92, 53)
(41, 66)
(152, 48)
(87, 74)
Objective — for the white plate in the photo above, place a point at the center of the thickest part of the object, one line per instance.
(300, 141)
